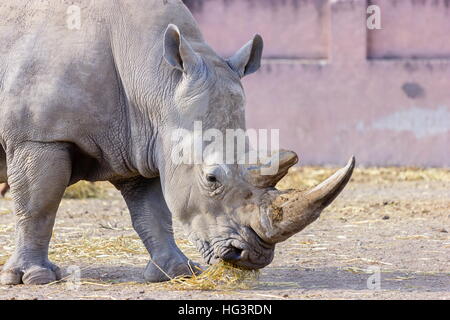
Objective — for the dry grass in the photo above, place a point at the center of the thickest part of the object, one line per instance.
(307, 177)
(221, 276)
(130, 248)
(100, 249)
(85, 190)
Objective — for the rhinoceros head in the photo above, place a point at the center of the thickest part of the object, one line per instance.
(231, 210)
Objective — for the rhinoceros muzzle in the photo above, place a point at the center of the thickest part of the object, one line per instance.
(243, 248)
(252, 254)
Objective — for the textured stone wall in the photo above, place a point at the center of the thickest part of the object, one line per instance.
(335, 88)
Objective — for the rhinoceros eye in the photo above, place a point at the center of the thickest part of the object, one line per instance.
(211, 182)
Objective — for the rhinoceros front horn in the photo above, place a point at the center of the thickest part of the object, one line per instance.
(285, 213)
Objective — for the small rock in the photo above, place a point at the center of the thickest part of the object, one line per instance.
(386, 218)
(443, 230)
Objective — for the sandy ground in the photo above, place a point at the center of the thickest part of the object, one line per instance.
(397, 225)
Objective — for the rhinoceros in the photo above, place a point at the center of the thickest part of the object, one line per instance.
(98, 100)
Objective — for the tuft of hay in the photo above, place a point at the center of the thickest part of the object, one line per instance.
(221, 276)
(84, 190)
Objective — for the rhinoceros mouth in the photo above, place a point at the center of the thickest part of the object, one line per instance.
(246, 250)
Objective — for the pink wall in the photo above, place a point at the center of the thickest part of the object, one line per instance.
(335, 88)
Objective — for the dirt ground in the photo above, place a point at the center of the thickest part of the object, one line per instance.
(396, 221)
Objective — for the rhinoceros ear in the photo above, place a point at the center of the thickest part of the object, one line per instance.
(177, 50)
(248, 59)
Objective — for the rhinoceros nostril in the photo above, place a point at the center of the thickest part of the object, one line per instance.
(232, 254)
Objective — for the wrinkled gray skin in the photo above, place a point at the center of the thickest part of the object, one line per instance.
(100, 104)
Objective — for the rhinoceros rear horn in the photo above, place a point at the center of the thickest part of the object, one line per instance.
(283, 160)
(283, 214)
(178, 52)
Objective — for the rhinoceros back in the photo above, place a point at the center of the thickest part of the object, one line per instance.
(63, 82)
(55, 81)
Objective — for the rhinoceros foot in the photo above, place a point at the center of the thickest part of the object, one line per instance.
(159, 271)
(33, 274)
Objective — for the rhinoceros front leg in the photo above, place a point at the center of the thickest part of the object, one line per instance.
(38, 174)
(152, 220)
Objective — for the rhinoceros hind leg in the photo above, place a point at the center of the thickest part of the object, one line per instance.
(152, 220)
(38, 175)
